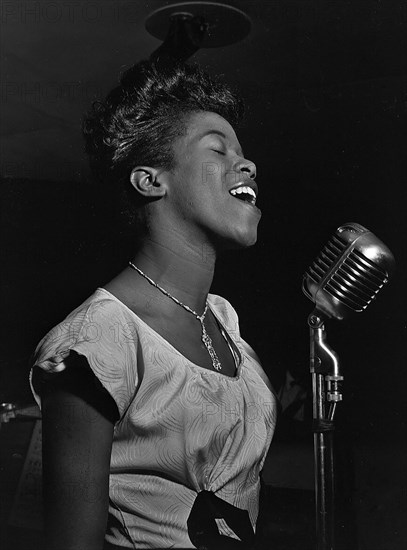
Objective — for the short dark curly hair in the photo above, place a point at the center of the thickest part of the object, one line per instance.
(140, 118)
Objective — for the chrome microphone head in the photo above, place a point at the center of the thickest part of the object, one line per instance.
(349, 272)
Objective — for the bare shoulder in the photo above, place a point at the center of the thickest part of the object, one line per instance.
(78, 424)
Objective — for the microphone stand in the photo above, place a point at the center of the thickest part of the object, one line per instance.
(326, 385)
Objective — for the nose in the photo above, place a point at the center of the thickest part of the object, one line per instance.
(247, 167)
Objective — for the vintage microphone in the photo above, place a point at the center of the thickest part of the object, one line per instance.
(349, 272)
(345, 277)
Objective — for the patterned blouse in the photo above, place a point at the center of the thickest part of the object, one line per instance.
(183, 429)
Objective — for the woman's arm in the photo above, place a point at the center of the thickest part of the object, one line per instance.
(78, 422)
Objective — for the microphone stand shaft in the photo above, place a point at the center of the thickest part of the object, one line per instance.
(324, 473)
(324, 367)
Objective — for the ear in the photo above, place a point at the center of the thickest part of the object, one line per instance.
(144, 180)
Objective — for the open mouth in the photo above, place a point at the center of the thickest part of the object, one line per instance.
(245, 194)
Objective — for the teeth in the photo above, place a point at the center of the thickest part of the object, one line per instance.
(246, 190)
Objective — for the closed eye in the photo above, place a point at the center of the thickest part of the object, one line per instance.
(219, 152)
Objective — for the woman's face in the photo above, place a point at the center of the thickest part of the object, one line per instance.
(206, 183)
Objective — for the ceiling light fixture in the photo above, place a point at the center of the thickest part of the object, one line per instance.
(188, 26)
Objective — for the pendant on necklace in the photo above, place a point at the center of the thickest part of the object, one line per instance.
(207, 341)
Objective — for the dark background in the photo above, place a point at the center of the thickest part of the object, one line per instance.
(326, 89)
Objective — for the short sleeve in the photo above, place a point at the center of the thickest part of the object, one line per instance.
(226, 313)
(103, 334)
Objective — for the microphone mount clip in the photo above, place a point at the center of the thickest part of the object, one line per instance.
(324, 363)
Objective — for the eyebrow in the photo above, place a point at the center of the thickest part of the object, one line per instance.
(217, 133)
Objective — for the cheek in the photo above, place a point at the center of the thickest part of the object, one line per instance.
(199, 186)
(186, 193)
(196, 190)
(213, 173)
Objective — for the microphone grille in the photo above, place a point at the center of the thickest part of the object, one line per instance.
(349, 271)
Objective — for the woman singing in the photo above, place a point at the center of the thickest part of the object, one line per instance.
(157, 415)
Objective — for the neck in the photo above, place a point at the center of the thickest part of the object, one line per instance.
(183, 268)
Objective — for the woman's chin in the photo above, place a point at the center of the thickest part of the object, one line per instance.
(248, 242)
(240, 241)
